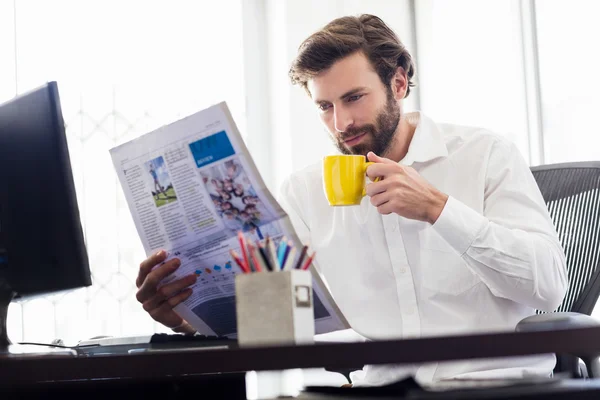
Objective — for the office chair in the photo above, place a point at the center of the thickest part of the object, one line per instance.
(572, 194)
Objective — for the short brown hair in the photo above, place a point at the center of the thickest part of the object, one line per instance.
(345, 36)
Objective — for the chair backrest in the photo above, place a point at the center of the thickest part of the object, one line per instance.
(572, 194)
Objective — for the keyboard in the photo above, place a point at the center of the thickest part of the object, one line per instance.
(153, 343)
(196, 339)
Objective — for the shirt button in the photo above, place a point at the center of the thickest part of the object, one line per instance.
(393, 227)
(402, 270)
(410, 311)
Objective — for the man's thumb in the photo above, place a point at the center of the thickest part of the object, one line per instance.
(375, 158)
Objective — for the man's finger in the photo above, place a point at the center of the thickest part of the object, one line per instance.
(379, 199)
(179, 298)
(167, 307)
(381, 170)
(385, 208)
(150, 284)
(375, 158)
(374, 189)
(168, 290)
(147, 265)
(159, 313)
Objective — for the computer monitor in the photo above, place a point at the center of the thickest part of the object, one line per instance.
(42, 247)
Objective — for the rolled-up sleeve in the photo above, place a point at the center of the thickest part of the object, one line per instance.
(513, 247)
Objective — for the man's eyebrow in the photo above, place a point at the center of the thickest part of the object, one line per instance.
(347, 94)
(353, 91)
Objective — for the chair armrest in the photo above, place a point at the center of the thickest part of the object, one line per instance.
(556, 321)
(565, 320)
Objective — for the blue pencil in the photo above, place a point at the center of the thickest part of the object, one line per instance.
(286, 254)
(281, 250)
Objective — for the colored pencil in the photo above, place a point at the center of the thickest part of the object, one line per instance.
(281, 250)
(301, 257)
(263, 254)
(286, 253)
(238, 261)
(242, 241)
(273, 253)
(289, 262)
(308, 262)
(252, 252)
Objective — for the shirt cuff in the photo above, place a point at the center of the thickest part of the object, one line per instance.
(459, 225)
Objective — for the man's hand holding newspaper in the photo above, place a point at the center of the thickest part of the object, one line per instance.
(191, 186)
(159, 302)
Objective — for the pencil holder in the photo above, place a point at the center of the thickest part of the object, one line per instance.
(274, 308)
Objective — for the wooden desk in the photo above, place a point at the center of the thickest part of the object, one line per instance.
(206, 365)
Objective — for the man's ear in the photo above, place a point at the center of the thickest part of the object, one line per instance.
(399, 84)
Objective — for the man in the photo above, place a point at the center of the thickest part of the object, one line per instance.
(454, 238)
(157, 185)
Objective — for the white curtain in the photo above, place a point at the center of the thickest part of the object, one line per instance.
(123, 68)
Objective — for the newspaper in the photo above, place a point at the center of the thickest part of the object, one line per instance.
(191, 186)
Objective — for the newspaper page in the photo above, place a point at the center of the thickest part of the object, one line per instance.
(191, 186)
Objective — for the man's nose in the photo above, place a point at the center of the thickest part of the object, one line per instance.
(342, 119)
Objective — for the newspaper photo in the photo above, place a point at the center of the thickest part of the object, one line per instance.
(191, 186)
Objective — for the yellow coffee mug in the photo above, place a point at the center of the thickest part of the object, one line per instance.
(344, 179)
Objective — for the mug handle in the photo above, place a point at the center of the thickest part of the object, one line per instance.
(364, 192)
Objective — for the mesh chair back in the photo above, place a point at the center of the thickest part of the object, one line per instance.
(572, 194)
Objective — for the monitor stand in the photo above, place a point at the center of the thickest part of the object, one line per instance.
(9, 349)
(6, 296)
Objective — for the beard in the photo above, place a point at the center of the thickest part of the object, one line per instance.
(379, 136)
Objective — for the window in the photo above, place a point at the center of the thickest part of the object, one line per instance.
(569, 79)
(470, 65)
(123, 68)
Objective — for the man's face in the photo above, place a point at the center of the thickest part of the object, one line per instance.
(359, 111)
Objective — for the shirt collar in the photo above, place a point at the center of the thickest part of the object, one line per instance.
(427, 143)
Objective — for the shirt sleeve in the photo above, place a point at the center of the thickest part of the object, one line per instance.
(513, 247)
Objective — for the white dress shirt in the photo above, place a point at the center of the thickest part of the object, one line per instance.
(490, 259)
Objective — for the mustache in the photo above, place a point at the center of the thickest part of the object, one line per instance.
(357, 131)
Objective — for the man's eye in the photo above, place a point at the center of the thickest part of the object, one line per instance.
(354, 97)
(324, 107)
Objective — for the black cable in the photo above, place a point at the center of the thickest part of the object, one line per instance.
(47, 344)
